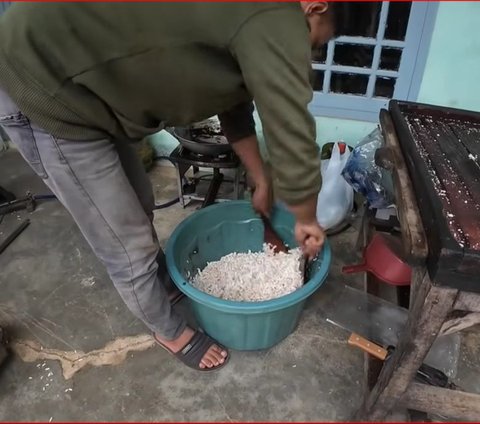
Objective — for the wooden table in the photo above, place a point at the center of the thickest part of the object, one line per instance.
(433, 311)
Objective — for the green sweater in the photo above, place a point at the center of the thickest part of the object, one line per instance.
(88, 70)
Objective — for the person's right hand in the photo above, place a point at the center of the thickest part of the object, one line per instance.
(308, 232)
(310, 237)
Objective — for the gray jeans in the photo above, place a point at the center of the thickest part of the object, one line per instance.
(106, 190)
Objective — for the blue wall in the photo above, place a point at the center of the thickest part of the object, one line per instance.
(452, 71)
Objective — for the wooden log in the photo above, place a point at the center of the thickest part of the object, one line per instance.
(413, 234)
(429, 311)
(448, 403)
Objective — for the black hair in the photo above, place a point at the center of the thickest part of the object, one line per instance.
(347, 14)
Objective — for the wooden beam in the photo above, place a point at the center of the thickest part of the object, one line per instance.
(448, 403)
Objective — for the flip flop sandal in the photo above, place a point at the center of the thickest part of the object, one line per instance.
(193, 352)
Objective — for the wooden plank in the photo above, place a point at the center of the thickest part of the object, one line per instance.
(413, 234)
(449, 403)
(430, 308)
(472, 142)
(467, 301)
(460, 163)
(446, 192)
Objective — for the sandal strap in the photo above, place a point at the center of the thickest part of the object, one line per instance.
(193, 352)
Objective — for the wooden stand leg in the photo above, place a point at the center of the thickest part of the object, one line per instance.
(430, 308)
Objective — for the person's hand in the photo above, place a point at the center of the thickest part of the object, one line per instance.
(262, 199)
(308, 232)
(310, 237)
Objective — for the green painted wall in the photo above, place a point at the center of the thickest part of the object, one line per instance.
(452, 71)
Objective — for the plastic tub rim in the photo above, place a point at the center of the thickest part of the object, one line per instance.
(230, 306)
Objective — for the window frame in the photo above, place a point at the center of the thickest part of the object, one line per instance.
(409, 75)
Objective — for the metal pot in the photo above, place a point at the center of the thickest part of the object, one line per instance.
(204, 138)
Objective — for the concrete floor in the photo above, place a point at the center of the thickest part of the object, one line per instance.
(58, 303)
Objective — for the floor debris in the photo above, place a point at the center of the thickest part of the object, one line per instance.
(112, 353)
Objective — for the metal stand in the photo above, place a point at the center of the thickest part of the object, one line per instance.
(184, 160)
(213, 188)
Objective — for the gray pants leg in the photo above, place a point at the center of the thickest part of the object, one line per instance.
(135, 172)
(90, 181)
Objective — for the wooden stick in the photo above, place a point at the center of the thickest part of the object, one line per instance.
(449, 403)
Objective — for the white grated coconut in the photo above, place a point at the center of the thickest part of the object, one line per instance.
(251, 277)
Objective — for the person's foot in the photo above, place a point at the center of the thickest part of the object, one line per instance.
(213, 357)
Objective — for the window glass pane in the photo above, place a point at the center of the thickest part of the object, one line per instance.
(348, 83)
(384, 87)
(362, 19)
(390, 59)
(319, 55)
(353, 55)
(316, 80)
(397, 20)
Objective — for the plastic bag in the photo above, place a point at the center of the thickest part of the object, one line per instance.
(335, 200)
(367, 178)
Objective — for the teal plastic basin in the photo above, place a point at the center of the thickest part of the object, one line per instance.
(228, 227)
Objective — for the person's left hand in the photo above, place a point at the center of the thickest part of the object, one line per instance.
(262, 198)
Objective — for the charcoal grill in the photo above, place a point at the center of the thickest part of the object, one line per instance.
(441, 147)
